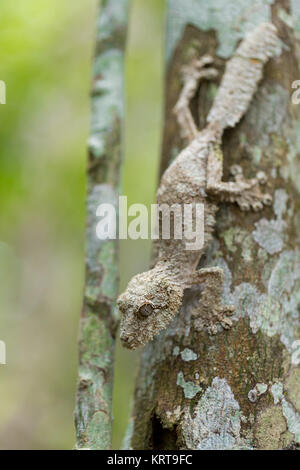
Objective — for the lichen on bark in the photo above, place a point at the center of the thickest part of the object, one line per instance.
(177, 400)
(99, 319)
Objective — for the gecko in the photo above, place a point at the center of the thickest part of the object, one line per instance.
(153, 298)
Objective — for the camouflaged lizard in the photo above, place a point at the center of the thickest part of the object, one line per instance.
(153, 298)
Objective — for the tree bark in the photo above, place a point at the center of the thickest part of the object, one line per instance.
(93, 416)
(240, 388)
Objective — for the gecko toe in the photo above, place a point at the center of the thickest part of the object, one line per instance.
(226, 323)
(244, 206)
(262, 177)
(267, 199)
(236, 170)
(230, 309)
(257, 206)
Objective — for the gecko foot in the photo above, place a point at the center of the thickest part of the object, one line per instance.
(211, 313)
(218, 315)
(222, 314)
(250, 195)
(253, 199)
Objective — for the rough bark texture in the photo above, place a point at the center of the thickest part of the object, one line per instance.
(99, 318)
(238, 389)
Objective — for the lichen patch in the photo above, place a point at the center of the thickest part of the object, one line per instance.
(216, 420)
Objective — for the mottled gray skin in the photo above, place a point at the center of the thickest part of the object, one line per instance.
(153, 298)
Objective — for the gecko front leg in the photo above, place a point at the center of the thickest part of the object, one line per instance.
(211, 311)
(245, 192)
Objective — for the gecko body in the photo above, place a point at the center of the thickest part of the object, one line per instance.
(152, 299)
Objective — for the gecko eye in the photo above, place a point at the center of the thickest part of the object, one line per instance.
(146, 310)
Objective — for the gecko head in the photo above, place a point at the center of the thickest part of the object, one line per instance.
(148, 305)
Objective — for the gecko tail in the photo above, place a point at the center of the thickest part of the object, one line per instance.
(242, 74)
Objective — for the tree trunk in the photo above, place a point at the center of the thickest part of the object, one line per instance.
(240, 388)
(99, 318)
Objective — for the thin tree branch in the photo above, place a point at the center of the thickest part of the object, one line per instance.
(99, 319)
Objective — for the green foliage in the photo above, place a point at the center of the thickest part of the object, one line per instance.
(46, 52)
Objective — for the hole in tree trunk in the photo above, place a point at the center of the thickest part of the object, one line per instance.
(162, 438)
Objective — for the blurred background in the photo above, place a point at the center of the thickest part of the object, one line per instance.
(46, 56)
